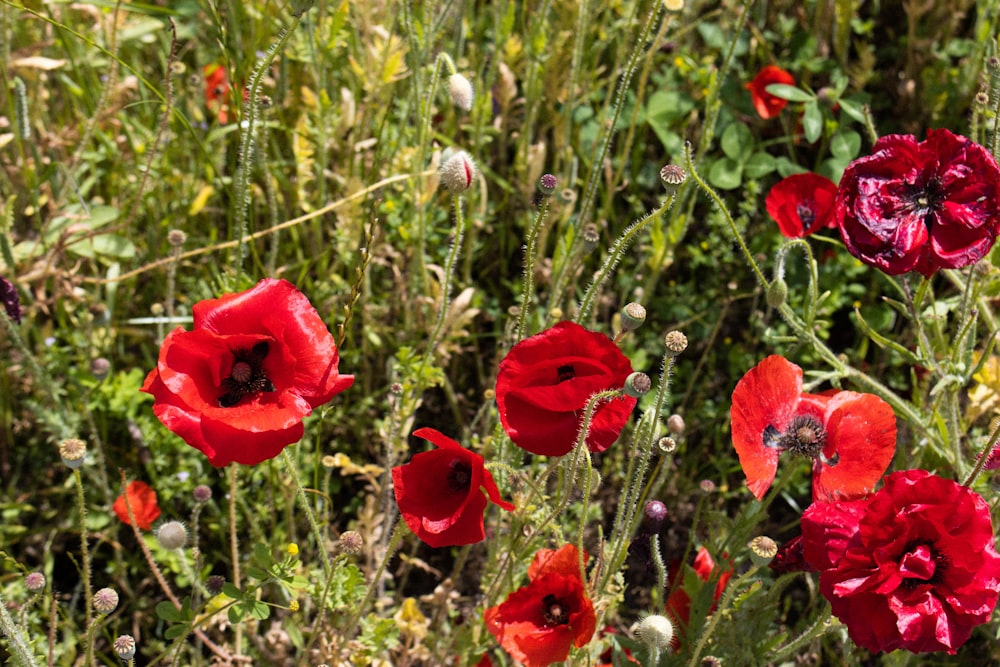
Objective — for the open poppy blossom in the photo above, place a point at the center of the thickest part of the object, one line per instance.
(802, 204)
(440, 492)
(914, 566)
(142, 499)
(217, 91)
(851, 437)
(679, 603)
(766, 104)
(540, 622)
(545, 382)
(920, 205)
(238, 385)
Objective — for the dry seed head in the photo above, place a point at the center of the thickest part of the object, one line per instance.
(176, 238)
(762, 550)
(72, 451)
(351, 542)
(982, 98)
(105, 601)
(667, 444)
(214, 584)
(672, 176)
(202, 493)
(591, 236)
(633, 315)
(675, 424)
(675, 342)
(125, 647)
(637, 385)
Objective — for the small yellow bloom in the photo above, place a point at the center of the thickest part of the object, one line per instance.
(293, 549)
(293, 605)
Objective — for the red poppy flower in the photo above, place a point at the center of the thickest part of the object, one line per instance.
(913, 567)
(920, 205)
(790, 558)
(440, 492)
(142, 499)
(540, 622)
(766, 104)
(802, 204)
(851, 437)
(679, 603)
(238, 386)
(545, 382)
(217, 91)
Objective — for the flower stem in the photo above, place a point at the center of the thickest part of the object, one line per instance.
(81, 508)
(397, 537)
(300, 493)
(17, 641)
(529, 268)
(234, 545)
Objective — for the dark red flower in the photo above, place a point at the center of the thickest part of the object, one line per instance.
(920, 205)
(217, 91)
(11, 299)
(915, 568)
(802, 204)
(540, 622)
(545, 382)
(678, 605)
(238, 386)
(142, 499)
(766, 104)
(440, 492)
(850, 437)
(790, 558)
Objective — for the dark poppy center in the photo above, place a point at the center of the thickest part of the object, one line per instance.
(459, 476)
(806, 214)
(805, 436)
(247, 376)
(566, 372)
(925, 198)
(555, 612)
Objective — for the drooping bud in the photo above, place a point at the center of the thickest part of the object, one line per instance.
(633, 315)
(656, 631)
(777, 292)
(172, 535)
(105, 601)
(460, 91)
(547, 184)
(72, 452)
(672, 176)
(125, 647)
(675, 342)
(457, 172)
(637, 385)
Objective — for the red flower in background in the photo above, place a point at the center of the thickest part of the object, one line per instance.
(802, 204)
(440, 492)
(920, 205)
(238, 385)
(545, 381)
(217, 91)
(540, 622)
(142, 499)
(766, 104)
(851, 437)
(913, 567)
(679, 603)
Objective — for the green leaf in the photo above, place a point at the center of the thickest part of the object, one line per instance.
(175, 631)
(790, 93)
(852, 109)
(812, 121)
(845, 145)
(759, 165)
(726, 174)
(737, 142)
(258, 610)
(168, 612)
(232, 591)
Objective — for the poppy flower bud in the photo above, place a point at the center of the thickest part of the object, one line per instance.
(351, 542)
(99, 367)
(707, 486)
(460, 91)
(675, 424)
(675, 342)
(172, 535)
(547, 184)
(214, 584)
(202, 493)
(72, 451)
(176, 238)
(34, 582)
(105, 601)
(637, 385)
(672, 176)
(762, 550)
(777, 292)
(457, 172)
(125, 647)
(656, 513)
(656, 631)
(633, 315)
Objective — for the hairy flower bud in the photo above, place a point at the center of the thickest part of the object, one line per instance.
(457, 172)
(675, 424)
(547, 184)
(460, 91)
(656, 631)
(34, 582)
(172, 535)
(777, 292)
(637, 385)
(351, 542)
(202, 493)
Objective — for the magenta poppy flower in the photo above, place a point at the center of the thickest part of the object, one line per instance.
(849, 436)
(913, 567)
(766, 104)
(920, 205)
(238, 385)
(440, 492)
(539, 623)
(802, 204)
(545, 382)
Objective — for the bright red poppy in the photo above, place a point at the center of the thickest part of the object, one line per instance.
(545, 382)
(217, 91)
(850, 437)
(766, 104)
(540, 622)
(238, 385)
(920, 205)
(679, 603)
(440, 492)
(142, 499)
(913, 567)
(802, 204)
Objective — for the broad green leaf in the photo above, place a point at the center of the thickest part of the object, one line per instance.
(845, 144)
(168, 612)
(726, 174)
(759, 165)
(790, 93)
(737, 142)
(812, 121)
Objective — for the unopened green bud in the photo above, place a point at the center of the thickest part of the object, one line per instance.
(777, 292)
